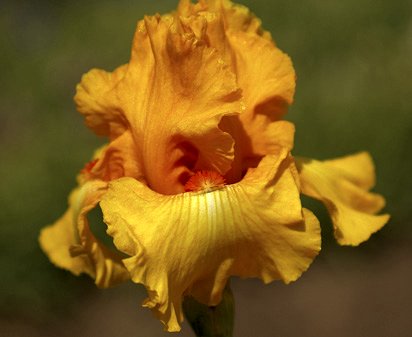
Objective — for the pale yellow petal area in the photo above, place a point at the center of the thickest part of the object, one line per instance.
(342, 184)
(174, 94)
(70, 244)
(191, 243)
(102, 113)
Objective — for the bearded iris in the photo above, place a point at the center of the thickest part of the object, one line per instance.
(197, 182)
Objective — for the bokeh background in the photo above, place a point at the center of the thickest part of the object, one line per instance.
(354, 64)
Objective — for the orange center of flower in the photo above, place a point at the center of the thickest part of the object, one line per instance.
(204, 181)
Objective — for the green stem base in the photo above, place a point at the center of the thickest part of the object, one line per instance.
(207, 321)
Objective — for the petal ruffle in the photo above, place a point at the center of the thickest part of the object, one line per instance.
(235, 16)
(102, 114)
(264, 73)
(174, 94)
(70, 244)
(192, 243)
(342, 185)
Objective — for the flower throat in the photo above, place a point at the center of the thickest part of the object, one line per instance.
(206, 181)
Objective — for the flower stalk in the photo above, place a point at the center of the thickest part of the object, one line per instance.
(208, 321)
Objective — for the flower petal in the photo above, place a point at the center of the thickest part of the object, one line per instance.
(264, 73)
(174, 94)
(342, 185)
(267, 78)
(357, 168)
(56, 240)
(235, 16)
(108, 266)
(70, 244)
(102, 113)
(192, 243)
(120, 158)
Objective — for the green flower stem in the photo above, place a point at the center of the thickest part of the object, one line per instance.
(211, 321)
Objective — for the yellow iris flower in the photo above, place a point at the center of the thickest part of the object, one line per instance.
(197, 183)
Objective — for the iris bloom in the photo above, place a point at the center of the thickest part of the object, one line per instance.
(197, 182)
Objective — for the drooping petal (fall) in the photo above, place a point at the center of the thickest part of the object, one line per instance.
(174, 94)
(92, 98)
(57, 239)
(70, 243)
(342, 184)
(191, 243)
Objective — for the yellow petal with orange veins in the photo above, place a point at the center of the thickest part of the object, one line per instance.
(191, 243)
(274, 138)
(120, 158)
(92, 99)
(174, 94)
(70, 244)
(267, 78)
(264, 73)
(342, 184)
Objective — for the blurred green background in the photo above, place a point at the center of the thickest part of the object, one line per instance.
(354, 65)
